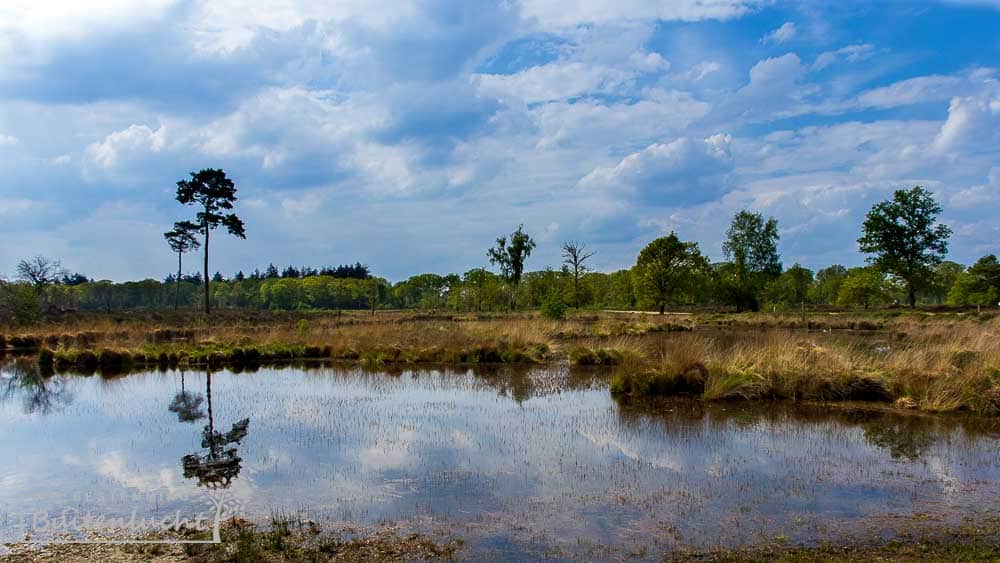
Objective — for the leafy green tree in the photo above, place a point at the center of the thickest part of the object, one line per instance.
(942, 279)
(575, 258)
(827, 284)
(791, 287)
(752, 247)
(181, 240)
(510, 258)
(424, 290)
(979, 285)
(904, 239)
(537, 287)
(215, 194)
(19, 303)
(669, 270)
(863, 286)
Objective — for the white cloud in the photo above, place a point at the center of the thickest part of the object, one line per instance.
(554, 81)
(135, 142)
(850, 53)
(682, 171)
(910, 91)
(780, 35)
(701, 70)
(973, 122)
(591, 123)
(984, 197)
(556, 14)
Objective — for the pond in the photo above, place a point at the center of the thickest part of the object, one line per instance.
(517, 463)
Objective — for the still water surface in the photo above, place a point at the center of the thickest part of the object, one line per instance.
(517, 463)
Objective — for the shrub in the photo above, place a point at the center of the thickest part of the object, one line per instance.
(553, 306)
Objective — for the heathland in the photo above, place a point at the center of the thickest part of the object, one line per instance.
(933, 361)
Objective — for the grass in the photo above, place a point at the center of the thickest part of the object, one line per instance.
(932, 361)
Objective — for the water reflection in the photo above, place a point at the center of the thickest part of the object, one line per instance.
(516, 461)
(40, 392)
(216, 468)
(186, 405)
(903, 435)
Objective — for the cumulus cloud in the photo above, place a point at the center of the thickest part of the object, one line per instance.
(598, 123)
(683, 171)
(126, 144)
(783, 34)
(973, 122)
(775, 89)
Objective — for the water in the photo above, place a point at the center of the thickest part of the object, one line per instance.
(517, 463)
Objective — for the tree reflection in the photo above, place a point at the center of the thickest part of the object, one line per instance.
(220, 464)
(40, 392)
(186, 405)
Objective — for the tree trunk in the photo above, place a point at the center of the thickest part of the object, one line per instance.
(912, 295)
(662, 306)
(207, 306)
(177, 285)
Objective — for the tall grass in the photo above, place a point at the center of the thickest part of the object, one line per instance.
(933, 362)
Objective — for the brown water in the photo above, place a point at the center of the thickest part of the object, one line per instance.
(516, 463)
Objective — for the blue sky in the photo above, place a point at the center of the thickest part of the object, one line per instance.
(410, 134)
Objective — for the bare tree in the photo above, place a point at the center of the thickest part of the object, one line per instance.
(575, 258)
(40, 271)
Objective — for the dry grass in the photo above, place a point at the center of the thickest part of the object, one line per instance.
(935, 362)
(937, 366)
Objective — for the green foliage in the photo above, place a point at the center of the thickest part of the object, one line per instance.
(510, 258)
(669, 271)
(791, 288)
(215, 194)
(553, 306)
(19, 303)
(979, 285)
(424, 291)
(752, 247)
(904, 239)
(863, 286)
(826, 287)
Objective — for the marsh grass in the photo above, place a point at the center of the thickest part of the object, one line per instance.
(938, 362)
(939, 366)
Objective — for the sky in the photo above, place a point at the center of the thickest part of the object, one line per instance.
(408, 135)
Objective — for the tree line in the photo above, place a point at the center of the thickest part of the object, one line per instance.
(904, 244)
